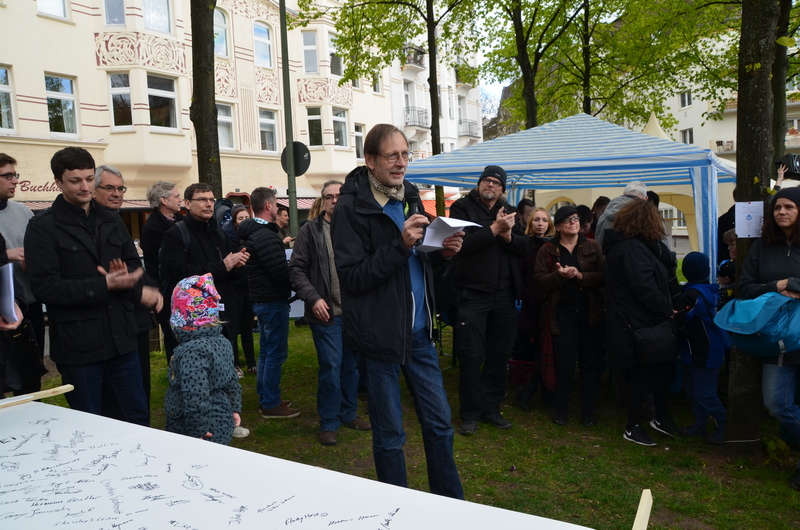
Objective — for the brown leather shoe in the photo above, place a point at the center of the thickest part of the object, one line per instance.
(328, 438)
(281, 411)
(359, 424)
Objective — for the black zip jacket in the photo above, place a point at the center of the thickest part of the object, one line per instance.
(477, 265)
(374, 277)
(309, 269)
(88, 323)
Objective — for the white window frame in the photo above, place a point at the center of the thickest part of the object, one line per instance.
(151, 16)
(155, 92)
(6, 90)
(265, 121)
(339, 117)
(450, 101)
(49, 8)
(63, 96)
(357, 83)
(226, 122)
(686, 99)
(376, 83)
(221, 29)
(315, 117)
(267, 42)
(308, 48)
(358, 140)
(687, 134)
(117, 91)
(116, 5)
(334, 57)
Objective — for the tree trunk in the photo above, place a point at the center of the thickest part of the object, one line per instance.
(203, 111)
(526, 69)
(433, 85)
(587, 61)
(780, 67)
(753, 163)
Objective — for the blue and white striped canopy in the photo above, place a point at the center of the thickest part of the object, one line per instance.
(586, 152)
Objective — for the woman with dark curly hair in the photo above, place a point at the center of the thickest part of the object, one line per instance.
(773, 266)
(639, 270)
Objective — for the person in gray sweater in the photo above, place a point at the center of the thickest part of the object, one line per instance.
(634, 190)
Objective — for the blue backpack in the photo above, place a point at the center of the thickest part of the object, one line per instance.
(767, 326)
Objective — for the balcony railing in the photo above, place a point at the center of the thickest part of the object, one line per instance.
(417, 117)
(468, 128)
(415, 56)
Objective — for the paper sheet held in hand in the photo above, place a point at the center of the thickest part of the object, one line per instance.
(440, 229)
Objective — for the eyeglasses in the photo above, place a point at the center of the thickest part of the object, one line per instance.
(571, 220)
(331, 197)
(121, 189)
(10, 176)
(493, 182)
(395, 157)
(203, 199)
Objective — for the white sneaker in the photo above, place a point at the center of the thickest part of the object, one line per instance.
(241, 432)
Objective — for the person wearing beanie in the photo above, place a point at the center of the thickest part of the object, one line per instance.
(570, 271)
(204, 398)
(772, 265)
(703, 350)
(488, 281)
(726, 279)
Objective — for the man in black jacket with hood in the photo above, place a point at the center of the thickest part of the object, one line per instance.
(387, 307)
(487, 276)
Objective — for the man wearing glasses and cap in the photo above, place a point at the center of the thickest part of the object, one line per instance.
(488, 280)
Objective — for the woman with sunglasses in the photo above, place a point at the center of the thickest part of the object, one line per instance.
(570, 271)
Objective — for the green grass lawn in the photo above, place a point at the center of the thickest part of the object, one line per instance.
(590, 477)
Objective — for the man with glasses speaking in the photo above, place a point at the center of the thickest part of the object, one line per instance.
(488, 280)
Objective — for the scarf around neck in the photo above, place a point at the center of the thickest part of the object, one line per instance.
(393, 192)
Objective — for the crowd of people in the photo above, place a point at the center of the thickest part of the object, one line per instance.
(598, 290)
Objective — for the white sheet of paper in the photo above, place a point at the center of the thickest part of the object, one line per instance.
(440, 229)
(60, 468)
(749, 218)
(7, 293)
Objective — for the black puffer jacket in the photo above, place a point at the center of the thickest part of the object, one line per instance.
(477, 265)
(637, 286)
(372, 262)
(267, 269)
(88, 323)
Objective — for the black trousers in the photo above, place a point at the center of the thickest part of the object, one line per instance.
(643, 380)
(578, 343)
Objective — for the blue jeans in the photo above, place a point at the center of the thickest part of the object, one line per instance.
(433, 412)
(701, 387)
(778, 384)
(273, 327)
(337, 386)
(122, 376)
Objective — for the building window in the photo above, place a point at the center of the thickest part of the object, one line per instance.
(450, 103)
(156, 15)
(376, 82)
(56, 8)
(357, 83)
(336, 61)
(310, 52)
(314, 126)
(686, 99)
(225, 126)
(680, 220)
(452, 146)
(262, 38)
(60, 93)
(408, 91)
(121, 115)
(115, 12)
(162, 100)
(687, 136)
(793, 85)
(6, 114)
(359, 137)
(340, 127)
(267, 126)
(220, 34)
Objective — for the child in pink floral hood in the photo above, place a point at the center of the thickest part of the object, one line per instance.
(204, 398)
